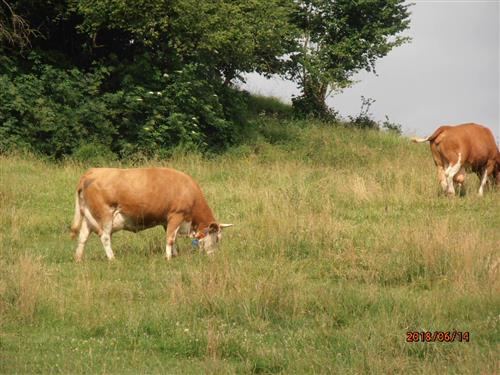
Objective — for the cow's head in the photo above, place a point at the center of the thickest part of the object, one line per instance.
(209, 237)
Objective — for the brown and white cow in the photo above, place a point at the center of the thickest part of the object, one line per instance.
(111, 199)
(467, 146)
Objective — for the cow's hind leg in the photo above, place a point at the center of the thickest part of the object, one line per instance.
(83, 236)
(450, 173)
(174, 223)
(442, 178)
(440, 162)
(460, 180)
(107, 227)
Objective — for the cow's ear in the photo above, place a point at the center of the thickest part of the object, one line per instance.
(222, 226)
(213, 228)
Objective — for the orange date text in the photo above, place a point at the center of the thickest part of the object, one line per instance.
(437, 336)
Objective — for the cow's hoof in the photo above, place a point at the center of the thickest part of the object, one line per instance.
(78, 259)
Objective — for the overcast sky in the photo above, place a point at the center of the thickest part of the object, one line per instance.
(447, 74)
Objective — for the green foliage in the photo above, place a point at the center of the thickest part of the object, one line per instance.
(148, 76)
(311, 104)
(229, 37)
(233, 37)
(95, 154)
(268, 106)
(50, 110)
(134, 76)
(340, 38)
(53, 111)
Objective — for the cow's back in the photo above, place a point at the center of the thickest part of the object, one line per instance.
(474, 142)
(146, 193)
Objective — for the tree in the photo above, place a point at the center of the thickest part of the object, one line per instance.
(338, 39)
(230, 37)
(136, 75)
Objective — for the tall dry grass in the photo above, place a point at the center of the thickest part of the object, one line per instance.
(340, 247)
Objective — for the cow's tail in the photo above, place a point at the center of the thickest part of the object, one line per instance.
(77, 217)
(419, 140)
(430, 138)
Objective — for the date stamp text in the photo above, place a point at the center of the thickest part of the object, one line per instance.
(437, 336)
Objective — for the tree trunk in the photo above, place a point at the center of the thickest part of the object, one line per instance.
(312, 100)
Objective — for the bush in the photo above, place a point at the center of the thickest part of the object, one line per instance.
(93, 153)
(50, 111)
(364, 119)
(55, 111)
(391, 126)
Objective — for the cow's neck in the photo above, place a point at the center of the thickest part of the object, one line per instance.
(202, 215)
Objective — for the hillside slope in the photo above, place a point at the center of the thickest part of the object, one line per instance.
(341, 246)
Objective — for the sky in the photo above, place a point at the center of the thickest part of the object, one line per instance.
(448, 73)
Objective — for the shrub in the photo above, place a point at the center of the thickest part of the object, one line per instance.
(391, 126)
(94, 153)
(54, 111)
(364, 119)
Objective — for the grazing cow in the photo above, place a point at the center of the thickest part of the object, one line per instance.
(455, 148)
(111, 199)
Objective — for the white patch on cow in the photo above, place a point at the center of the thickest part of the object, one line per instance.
(168, 252)
(121, 221)
(450, 172)
(484, 179)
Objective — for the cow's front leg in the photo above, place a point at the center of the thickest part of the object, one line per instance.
(173, 225)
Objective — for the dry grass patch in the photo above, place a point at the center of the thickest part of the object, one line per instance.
(23, 286)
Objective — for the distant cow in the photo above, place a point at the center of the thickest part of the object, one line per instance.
(111, 199)
(461, 147)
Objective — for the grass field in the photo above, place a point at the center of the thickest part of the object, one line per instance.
(341, 245)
